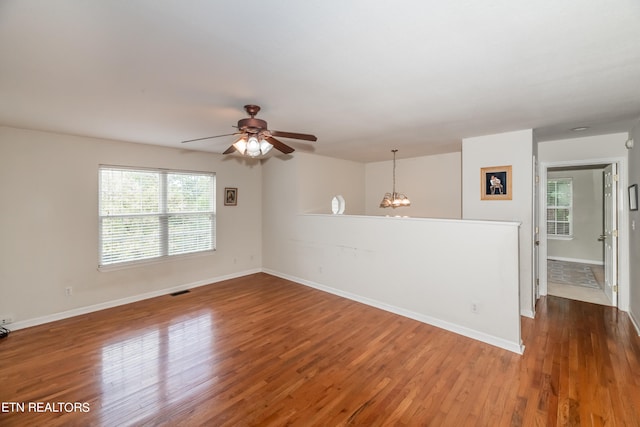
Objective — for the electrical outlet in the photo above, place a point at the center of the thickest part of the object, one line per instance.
(68, 291)
(6, 319)
(474, 307)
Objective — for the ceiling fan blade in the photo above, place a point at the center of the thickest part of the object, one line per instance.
(210, 137)
(293, 135)
(280, 146)
(229, 150)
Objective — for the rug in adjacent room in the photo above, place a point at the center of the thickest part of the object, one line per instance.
(571, 273)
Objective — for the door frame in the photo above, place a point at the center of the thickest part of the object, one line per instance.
(623, 222)
(609, 290)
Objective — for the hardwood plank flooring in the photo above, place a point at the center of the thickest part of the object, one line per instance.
(260, 350)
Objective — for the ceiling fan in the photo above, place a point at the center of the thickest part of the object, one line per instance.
(255, 138)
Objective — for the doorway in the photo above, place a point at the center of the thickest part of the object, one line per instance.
(580, 208)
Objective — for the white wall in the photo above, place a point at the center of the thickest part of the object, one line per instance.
(593, 150)
(514, 149)
(409, 266)
(280, 192)
(353, 255)
(49, 226)
(320, 178)
(588, 218)
(301, 184)
(432, 183)
(583, 148)
(634, 232)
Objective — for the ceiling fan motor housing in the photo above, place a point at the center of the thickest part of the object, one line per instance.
(252, 125)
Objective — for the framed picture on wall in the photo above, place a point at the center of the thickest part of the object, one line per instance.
(633, 197)
(495, 183)
(230, 196)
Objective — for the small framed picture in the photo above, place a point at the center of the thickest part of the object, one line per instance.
(230, 196)
(495, 183)
(633, 197)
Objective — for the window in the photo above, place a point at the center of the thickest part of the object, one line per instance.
(148, 214)
(559, 207)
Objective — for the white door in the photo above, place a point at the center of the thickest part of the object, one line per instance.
(610, 234)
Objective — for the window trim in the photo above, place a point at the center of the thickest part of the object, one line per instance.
(163, 216)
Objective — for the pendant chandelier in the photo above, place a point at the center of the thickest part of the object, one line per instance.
(394, 200)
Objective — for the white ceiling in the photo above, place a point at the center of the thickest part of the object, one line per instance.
(365, 76)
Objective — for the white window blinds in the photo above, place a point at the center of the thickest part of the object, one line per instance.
(146, 214)
(559, 207)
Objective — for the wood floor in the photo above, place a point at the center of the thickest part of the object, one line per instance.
(260, 350)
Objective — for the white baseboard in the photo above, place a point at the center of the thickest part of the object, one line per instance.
(128, 300)
(461, 330)
(527, 313)
(635, 321)
(581, 261)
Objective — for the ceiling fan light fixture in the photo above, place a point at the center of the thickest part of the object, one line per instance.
(255, 137)
(393, 199)
(265, 146)
(240, 145)
(253, 146)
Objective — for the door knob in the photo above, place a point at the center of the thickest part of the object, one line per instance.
(602, 237)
